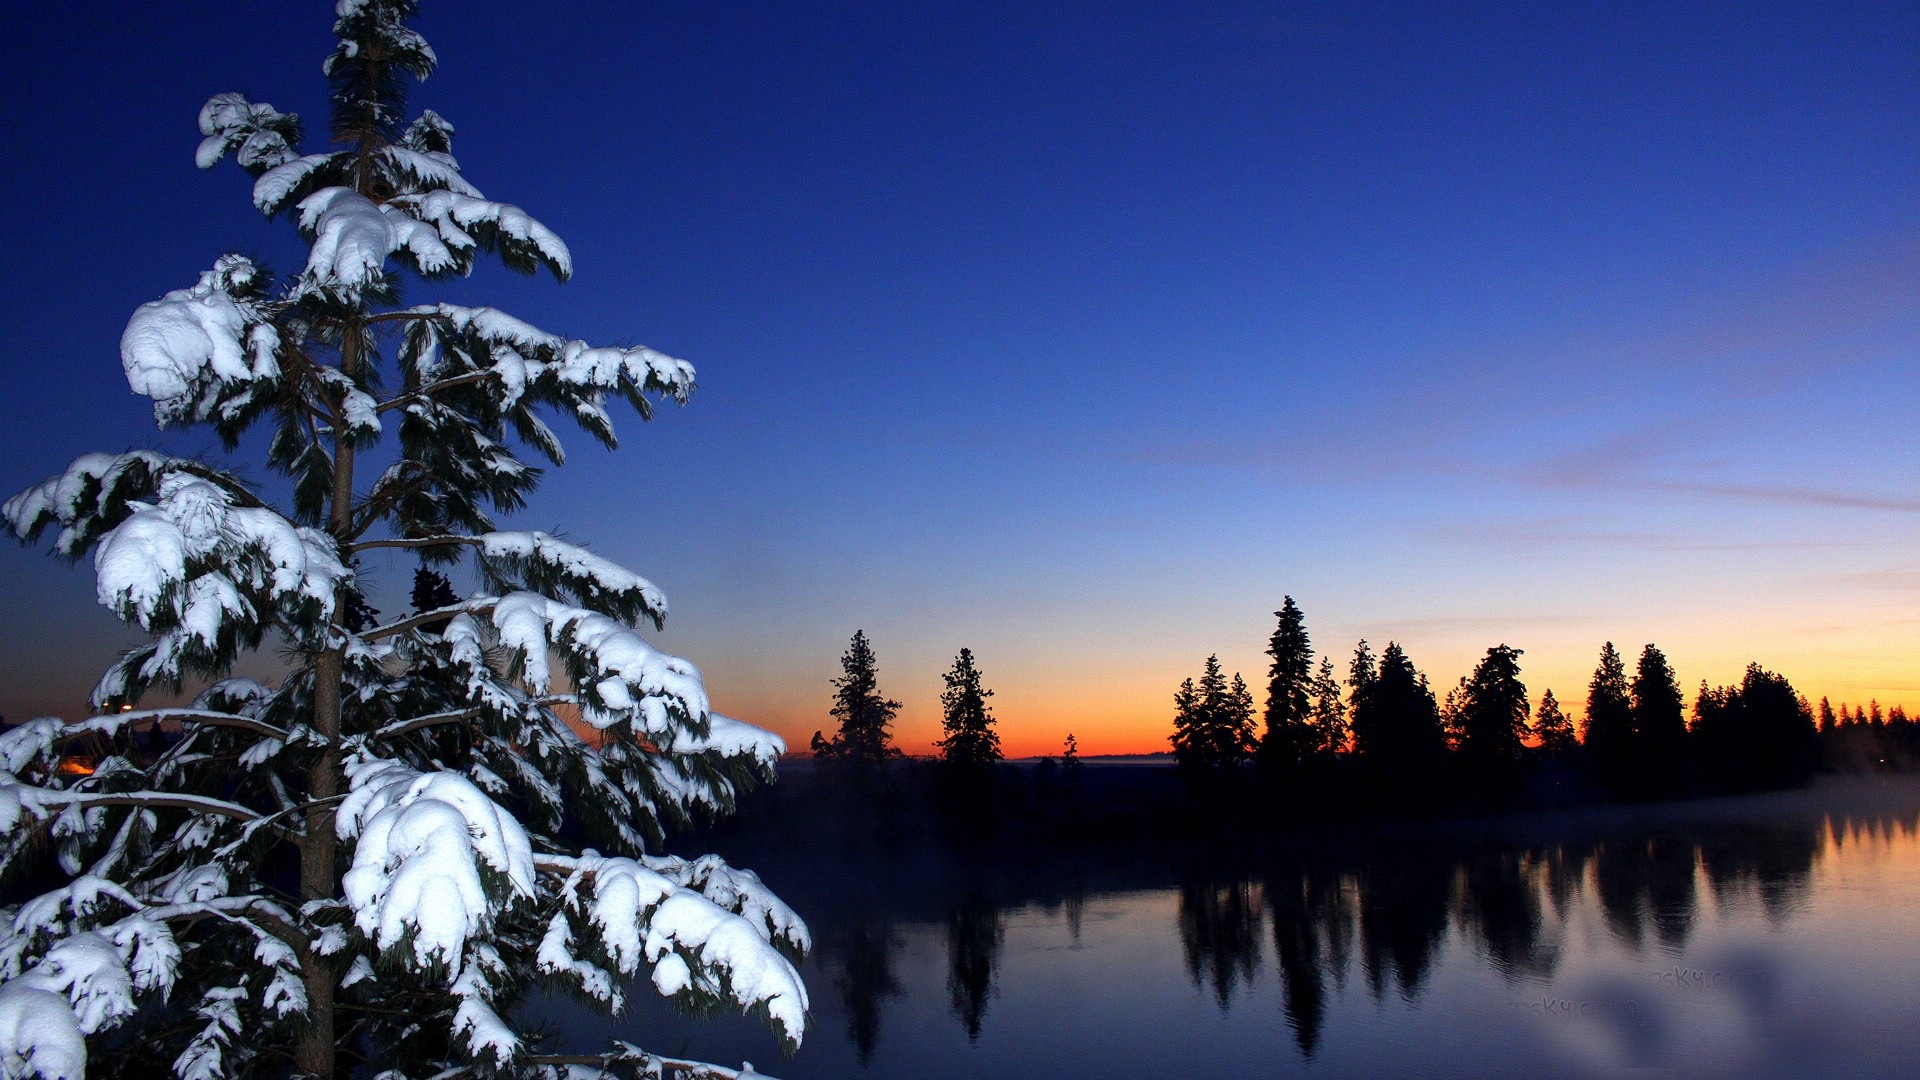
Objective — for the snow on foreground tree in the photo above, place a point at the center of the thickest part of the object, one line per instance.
(360, 869)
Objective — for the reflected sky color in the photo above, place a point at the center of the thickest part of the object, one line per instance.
(1080, 335)
(1759, 937)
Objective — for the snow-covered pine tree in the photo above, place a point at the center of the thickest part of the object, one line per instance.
(360, 868)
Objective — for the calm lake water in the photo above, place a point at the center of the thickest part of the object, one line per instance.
(1767, 936)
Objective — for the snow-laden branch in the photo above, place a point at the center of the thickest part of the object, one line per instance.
(629, 681)
(69, 972)
(527, 363)
(647, 1064)
(547, 564)
(113, 723)
(18, 798)
(423, 839)
(618, 913)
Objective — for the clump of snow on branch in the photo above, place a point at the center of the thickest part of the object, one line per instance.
(259, 135)
(185, 348)
(425, 841)
(202, 573)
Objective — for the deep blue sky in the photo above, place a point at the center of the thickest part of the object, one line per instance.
(1078, 334)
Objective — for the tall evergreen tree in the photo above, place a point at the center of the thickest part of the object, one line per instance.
(1494, 707)
(1398, 738)
(1826, 716)
(1658, 714)
(1329, 712)
(864, 715)
(1453, 714)
(361, 868)
(1289, 737)
(1608, 735)
(1555, 731)
(1493, 712)
(970, 738)
(1362, 673)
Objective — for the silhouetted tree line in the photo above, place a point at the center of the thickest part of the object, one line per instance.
(1392, 749)
(1376, 746)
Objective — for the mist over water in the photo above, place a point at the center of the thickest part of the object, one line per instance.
(1764, 936)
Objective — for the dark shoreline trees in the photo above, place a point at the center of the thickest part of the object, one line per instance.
(1213, 721)
(863, 740)
(1659, 728)
(1290, 739)
(970, 740)
(1493, 727)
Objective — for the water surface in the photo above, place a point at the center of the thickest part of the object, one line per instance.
(1768, 936)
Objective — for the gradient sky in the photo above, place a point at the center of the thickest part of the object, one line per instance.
(1078, 334)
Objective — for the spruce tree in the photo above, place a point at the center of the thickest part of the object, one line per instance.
(1493, 712)
(1494, 707)
(863, 740)
(1608, 735)
(1362, 673)
(1289, 739)
(1555, 731)
(970, 740)
(431, 591)
(1329, 712)
(1397, 719)
(1658, 713)
(363, 867)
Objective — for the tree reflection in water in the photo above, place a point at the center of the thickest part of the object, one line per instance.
(1312, 938)
(866, 979)
(1647, 883)
(1773, 861)
(974, 934)
(1498, 904)
(1404, 907)
(1220, 932)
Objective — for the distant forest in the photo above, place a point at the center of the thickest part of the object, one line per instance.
(1377, 743)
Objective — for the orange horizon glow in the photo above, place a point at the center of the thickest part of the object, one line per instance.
(1034, 721)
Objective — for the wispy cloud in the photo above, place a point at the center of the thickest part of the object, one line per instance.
(1791, 495)
(1561, 533)
(1888, 579)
